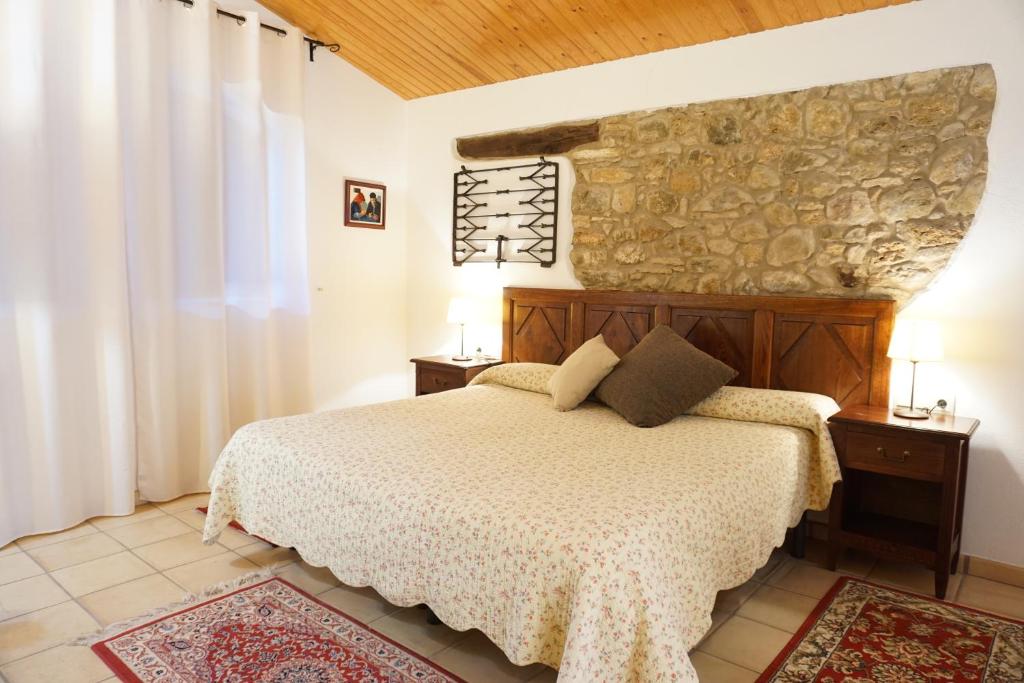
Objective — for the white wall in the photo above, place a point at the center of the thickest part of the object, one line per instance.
(978, 296)
(355, 128)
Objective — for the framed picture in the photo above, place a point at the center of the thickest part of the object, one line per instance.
(365, 204)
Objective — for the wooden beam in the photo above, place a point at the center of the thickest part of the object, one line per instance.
(557, 139)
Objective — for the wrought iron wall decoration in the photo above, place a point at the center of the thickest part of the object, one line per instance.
(507, 214)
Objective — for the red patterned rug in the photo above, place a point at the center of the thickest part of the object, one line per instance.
(864, 632)
(267, 632)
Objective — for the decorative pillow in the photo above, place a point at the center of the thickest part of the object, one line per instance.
(581, 372)
(661, 378)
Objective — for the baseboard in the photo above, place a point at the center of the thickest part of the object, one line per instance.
(975, 566)
(995, 571)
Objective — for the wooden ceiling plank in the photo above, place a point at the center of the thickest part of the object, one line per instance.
(530, 30)
(666, 16)
(426, 47)
(713, 29)
(635, 39)
(789, 14)
(596, 34)
(648, 14)
(467, 35)
(540, 12)
(766, 14)
(398, 41)
(747, 15)
(809, 10)
(443, 27)
(393, 75)
(732, 24)
(830, 8)
(555, 13)
(513, 53)
(675, 15)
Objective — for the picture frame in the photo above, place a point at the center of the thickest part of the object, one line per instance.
(365, 204)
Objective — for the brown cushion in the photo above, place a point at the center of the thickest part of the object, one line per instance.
(661, 378)
(574, 379)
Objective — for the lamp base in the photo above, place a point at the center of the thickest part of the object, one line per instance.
(911, 413)
(462, 358)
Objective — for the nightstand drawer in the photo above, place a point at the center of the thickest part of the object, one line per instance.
(432, 381)
(914, 458)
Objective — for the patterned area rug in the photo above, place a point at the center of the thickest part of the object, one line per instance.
(267, 632)
(865, 632)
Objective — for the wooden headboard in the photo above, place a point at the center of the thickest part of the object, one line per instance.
(835, 347)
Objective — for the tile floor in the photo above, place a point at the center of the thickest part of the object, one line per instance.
(55, 587)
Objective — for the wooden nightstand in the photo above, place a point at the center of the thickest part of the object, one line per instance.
(440, 373)
(902, 495)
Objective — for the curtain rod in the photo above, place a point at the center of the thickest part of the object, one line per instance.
(313, 42)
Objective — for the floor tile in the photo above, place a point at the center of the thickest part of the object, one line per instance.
(196, 520)
(17, 567)
(65, 663)
(229, 538)
(475, 658)
(43, 629)
(178, 550)
(746, 643)
(132, 599)
(852, 562)
(800, 577)
(141, 514)
(83, 529)
(196, 576)
(184, 503)
(717, 619)
(10, 549)
(149, 531)
(777, 557)
(75, 551)
(992, 596)
(409, 627)
(714, 670)
(233, 538)
(779, 608)
(362, 604)
(266, 555)
(95, 575)
(911, 577)
(29, 595)
(730, 600)
(313, 580)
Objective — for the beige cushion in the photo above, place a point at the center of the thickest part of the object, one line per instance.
(661, 378)
(573, 381)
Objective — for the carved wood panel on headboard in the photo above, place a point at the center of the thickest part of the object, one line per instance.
(835, 347)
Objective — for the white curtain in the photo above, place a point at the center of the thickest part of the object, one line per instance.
(153, 289)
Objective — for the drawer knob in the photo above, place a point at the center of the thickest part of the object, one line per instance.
(895, 458)
(442, 382)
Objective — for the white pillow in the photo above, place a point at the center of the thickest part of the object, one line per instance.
(581, 372)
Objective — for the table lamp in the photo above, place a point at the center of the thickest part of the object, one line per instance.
(916, 341)
(459, 313)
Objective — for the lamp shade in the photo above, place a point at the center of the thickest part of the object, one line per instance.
(916, 340)
(460, 311)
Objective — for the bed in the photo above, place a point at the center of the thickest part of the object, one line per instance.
(571, 539)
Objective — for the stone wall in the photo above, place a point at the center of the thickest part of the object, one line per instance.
(859, 190)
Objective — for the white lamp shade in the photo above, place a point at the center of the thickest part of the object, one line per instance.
(460, 311)
(916, 340)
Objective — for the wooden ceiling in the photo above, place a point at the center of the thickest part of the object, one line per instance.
(426, 47)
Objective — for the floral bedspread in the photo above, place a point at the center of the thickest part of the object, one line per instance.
(568, 538)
